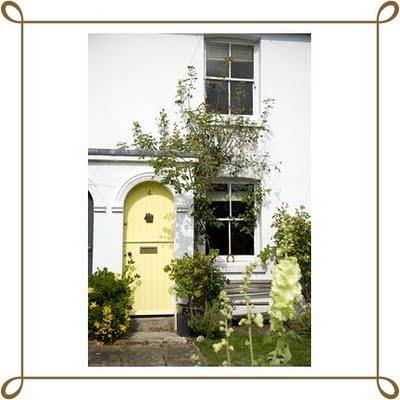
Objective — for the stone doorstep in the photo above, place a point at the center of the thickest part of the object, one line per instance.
(144, 337)
(152, 324)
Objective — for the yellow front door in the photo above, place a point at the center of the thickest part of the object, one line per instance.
(149, 222)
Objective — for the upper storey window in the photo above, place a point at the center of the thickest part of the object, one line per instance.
(230, 78)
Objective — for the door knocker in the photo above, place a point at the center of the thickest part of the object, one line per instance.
(149, 218)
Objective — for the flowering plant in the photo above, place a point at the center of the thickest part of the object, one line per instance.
(285, 293)
(251, 318)
(108, 305)
(225, 328)
(292, 239)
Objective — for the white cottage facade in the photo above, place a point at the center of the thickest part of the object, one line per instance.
(132, 77)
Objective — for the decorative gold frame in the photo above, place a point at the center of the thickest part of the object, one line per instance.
(377, 22)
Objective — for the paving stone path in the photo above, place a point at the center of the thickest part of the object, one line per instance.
(145, 349)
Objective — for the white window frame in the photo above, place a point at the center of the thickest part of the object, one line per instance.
(244, 258)
(255, 80)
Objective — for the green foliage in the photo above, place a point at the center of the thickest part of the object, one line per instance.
(108, 305)
(192, 153)
(301, 324)
(281, 354)
(196, 279)
(300, 348)
(206, 324)
(292, 239)
(129, 273)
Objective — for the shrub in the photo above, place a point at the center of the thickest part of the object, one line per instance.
(197, 279)
(301, 324)
(108, 305)
(206, 324)
(292, 239)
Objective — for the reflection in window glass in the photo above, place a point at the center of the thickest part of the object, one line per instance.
(217, 96)
(217, 59)
(241, 243)
(218, 238)
(242, 62)
(220, 209)
(242, 98)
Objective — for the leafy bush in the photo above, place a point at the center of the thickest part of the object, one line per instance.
(197, 279)
(206, 324)
(301, 324)
(292, 239)
(109, 304)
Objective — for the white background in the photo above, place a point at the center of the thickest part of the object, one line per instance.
(343, 202)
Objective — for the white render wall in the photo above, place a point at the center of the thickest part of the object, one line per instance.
(285, 63)
(131, 77)
(110, 180)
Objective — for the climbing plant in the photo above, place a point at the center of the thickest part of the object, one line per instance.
(201, 146)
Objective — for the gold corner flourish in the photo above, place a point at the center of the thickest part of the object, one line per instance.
(394, 14)
(14, 5)
(16, 392)
(383, 392)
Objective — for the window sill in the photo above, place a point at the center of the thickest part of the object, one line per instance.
(245, 259)
(253, 119)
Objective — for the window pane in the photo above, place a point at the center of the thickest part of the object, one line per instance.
(242, 98)
(241, 243)
(217, 68)
(220, 209)
(239, 190)
(218, 51)
(242, 70)
(242, 52)
(217, 96)
(242, 62)
(217, 59)
(218, 238)
(219, 192)
(220, 200)
(238, 208)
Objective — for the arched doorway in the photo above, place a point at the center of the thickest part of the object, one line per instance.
(90, 233)
(149, 232)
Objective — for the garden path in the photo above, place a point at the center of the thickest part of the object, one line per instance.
(145, 349)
